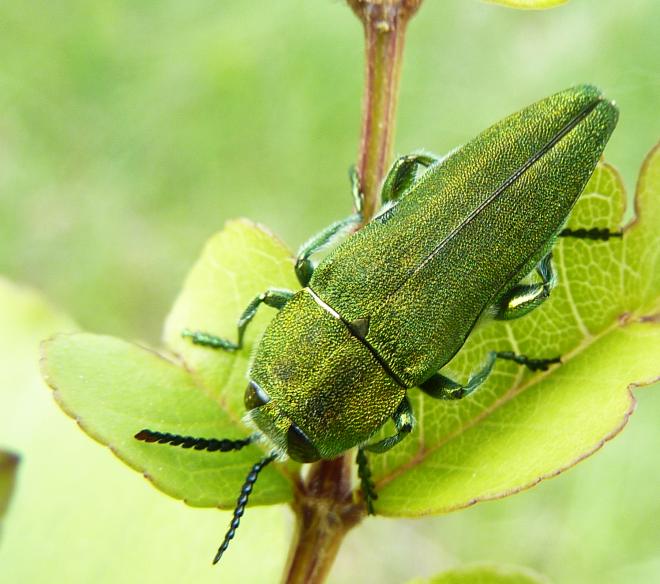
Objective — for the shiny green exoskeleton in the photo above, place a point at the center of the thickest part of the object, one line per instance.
(390, 306)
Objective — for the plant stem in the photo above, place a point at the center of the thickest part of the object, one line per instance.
(325, 507)
(384, 24)
(325, 513)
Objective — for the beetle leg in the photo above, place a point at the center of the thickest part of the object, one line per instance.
(402, 174)
(595, 233)
(356, 191)
(404, 421)
(323, 239)
(439, 386)
(531, 364)
(524, 298)
(368, 487)
(274, 297)
(400, 177)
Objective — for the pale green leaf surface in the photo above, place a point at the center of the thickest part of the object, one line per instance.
(529, 4)
(76, 515)
(485, 574)
(8, 464)
(237, 264)
(115, 389)
(520, 428)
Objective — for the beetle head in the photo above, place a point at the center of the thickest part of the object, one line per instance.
(284, 433)
(315, 390)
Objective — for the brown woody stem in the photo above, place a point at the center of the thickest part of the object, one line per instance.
(325, 506)
(385, 23)
(325, 513)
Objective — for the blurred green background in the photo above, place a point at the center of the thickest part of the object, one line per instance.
(130, 131)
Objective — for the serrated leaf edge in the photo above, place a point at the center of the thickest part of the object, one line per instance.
(43, 365)
(511, 394)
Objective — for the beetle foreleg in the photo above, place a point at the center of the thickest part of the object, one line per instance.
(273, 297)
(524, 298)
(404, 421)
(402, 175)
(368, 487)
(330, 235)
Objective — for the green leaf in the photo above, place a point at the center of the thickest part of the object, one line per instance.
(8, 464)
(529, 4)
(76, 515)
(485, 575)
(521, 428)
(237, 264)
(114, 388)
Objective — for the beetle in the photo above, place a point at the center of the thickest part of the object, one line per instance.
(455, 244)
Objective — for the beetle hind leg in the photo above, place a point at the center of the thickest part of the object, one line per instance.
(594, 233)
(403, 174)
(524, 298)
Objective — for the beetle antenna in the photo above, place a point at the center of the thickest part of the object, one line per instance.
(241, 502)
(210, 444)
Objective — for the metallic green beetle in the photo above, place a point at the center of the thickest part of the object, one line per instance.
(390, 306)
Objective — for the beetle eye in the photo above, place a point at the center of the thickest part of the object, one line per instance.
(299, 446)
(255, 396)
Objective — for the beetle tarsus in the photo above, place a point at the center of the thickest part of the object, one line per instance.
(594, 234)
(273, 297)
(531, 364)
(368, 487)
(208, 340)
